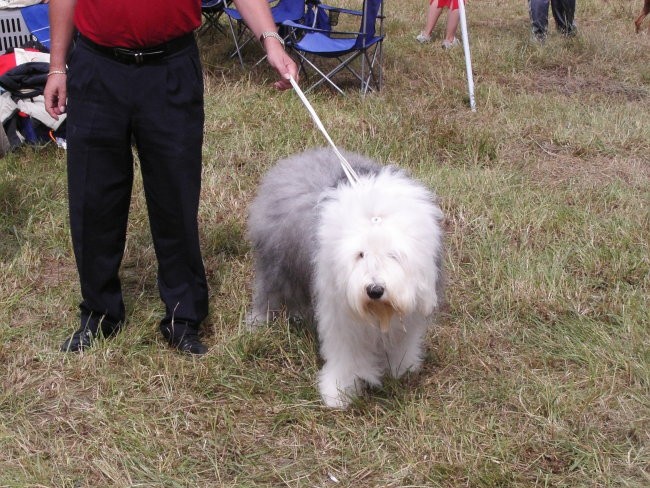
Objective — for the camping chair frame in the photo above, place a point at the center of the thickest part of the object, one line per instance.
(282, 11)
(305, 41)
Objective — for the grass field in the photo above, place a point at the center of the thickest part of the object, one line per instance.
(538, 369)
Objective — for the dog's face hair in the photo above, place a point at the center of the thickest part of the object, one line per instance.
(386, 247)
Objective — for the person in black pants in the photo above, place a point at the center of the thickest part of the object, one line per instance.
(563, 13)
(134, 77)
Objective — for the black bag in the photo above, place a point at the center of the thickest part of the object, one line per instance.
(26, 80)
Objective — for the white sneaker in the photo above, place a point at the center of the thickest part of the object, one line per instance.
(448, 45)
(422, 39)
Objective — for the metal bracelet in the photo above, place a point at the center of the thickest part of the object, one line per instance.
(274, 35)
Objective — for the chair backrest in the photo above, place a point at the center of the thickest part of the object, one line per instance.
(37, 20)
(288, 10)
(212, 4)
(317, 17)
(372, 9)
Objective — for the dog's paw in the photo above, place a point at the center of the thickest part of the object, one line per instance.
(339, 399)
(399, 366)
(337, 393)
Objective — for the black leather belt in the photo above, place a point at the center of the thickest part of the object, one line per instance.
(141, 55)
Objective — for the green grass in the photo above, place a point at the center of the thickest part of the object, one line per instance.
(538, 370)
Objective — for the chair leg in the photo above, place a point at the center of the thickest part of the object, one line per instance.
(324, 77)
(369, 74)
(374, 71)
(211, 21)
(236, 38)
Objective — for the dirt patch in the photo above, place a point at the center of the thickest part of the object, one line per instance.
(554, 165)
(563, 81)
(599, 170)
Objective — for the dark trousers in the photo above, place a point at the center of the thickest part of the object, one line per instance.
(563, 13)
(159, 107)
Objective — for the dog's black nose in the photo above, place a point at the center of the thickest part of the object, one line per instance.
(375, 291)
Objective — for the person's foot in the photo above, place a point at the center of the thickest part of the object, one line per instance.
(569, 32)
(422, 38)
(184, 338)
(86, 335)
(450, 44)
(538, 37)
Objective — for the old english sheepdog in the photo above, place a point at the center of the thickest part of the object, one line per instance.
(365, 261)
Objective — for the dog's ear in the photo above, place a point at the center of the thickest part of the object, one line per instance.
(428, 296)
(431, 292)
(429, 303)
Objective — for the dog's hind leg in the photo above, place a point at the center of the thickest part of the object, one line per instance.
(267, 302)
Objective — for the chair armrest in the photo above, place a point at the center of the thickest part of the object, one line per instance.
(309, 29)
(302, 27)
(340, 10)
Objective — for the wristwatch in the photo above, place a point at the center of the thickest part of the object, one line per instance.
(274, 35)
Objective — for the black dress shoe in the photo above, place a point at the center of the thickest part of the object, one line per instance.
(183, 337)
(191, 344)
(86, 335)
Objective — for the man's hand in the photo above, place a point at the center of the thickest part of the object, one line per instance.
(55, 94)
(281, 62)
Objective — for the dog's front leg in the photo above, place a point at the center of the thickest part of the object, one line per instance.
(337, 388)
(350, 359)
(404, 345)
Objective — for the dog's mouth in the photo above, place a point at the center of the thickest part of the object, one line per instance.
(382, 312)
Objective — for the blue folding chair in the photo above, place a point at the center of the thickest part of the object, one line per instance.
(37, 21)
(282, 11)
(212, 10)
(331, 41)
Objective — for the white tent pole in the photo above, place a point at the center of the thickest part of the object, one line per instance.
(468, 58)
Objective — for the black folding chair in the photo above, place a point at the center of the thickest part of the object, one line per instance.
(212, 10)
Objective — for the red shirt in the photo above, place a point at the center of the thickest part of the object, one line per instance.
(136, 23)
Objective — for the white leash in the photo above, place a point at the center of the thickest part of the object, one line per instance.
(352, 176)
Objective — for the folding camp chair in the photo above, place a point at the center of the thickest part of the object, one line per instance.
(283, 10)
(212, 10)
(345, 46)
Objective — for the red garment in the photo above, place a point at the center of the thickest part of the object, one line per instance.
(136, 23)
(450, 4)
(8, 61)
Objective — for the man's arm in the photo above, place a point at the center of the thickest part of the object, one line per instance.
(258, 18)
(61, 31)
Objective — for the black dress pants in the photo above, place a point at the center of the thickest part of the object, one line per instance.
(563, 13)
(159, 106)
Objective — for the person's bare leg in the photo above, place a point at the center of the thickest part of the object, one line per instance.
(432, 18)
(453, 18)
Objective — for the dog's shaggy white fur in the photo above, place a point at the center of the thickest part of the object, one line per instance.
(366, 260)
